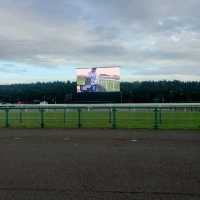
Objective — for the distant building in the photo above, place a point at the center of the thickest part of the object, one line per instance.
(43, 102)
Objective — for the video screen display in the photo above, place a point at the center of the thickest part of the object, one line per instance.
(98, 79)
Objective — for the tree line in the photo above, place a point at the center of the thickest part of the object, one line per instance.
(133, 92)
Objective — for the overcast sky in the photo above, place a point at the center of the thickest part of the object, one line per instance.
(45, 40)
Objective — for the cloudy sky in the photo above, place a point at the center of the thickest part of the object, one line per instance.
(45, 40)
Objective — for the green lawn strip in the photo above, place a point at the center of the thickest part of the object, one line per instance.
(26, 120)
(2, 119)
(57, 120)
(100, 119)
(185, 120)
(95, 119)
(135, 119)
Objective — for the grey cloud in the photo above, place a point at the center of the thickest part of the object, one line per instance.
(148, 37)
(175, 70)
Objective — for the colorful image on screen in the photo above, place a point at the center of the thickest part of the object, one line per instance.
(98, 79)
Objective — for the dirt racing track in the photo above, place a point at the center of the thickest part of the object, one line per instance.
(99, 164)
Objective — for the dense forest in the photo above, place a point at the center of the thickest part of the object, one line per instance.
(136, 92)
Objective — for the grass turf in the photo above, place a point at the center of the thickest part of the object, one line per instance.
(101, 119)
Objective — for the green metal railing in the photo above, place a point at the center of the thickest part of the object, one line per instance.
(149, 116)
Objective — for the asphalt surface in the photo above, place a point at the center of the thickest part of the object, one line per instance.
(99, 164)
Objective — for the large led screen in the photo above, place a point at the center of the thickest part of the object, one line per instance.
(98, 79)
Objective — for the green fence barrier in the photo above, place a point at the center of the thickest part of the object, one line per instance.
(113, 118)
(7, 118)
(79, 117)
(100, 116)
(156, 118)
(42, 118)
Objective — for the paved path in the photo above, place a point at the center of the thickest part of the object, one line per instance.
(99, 164)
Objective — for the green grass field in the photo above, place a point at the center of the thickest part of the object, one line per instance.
(101, 119)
